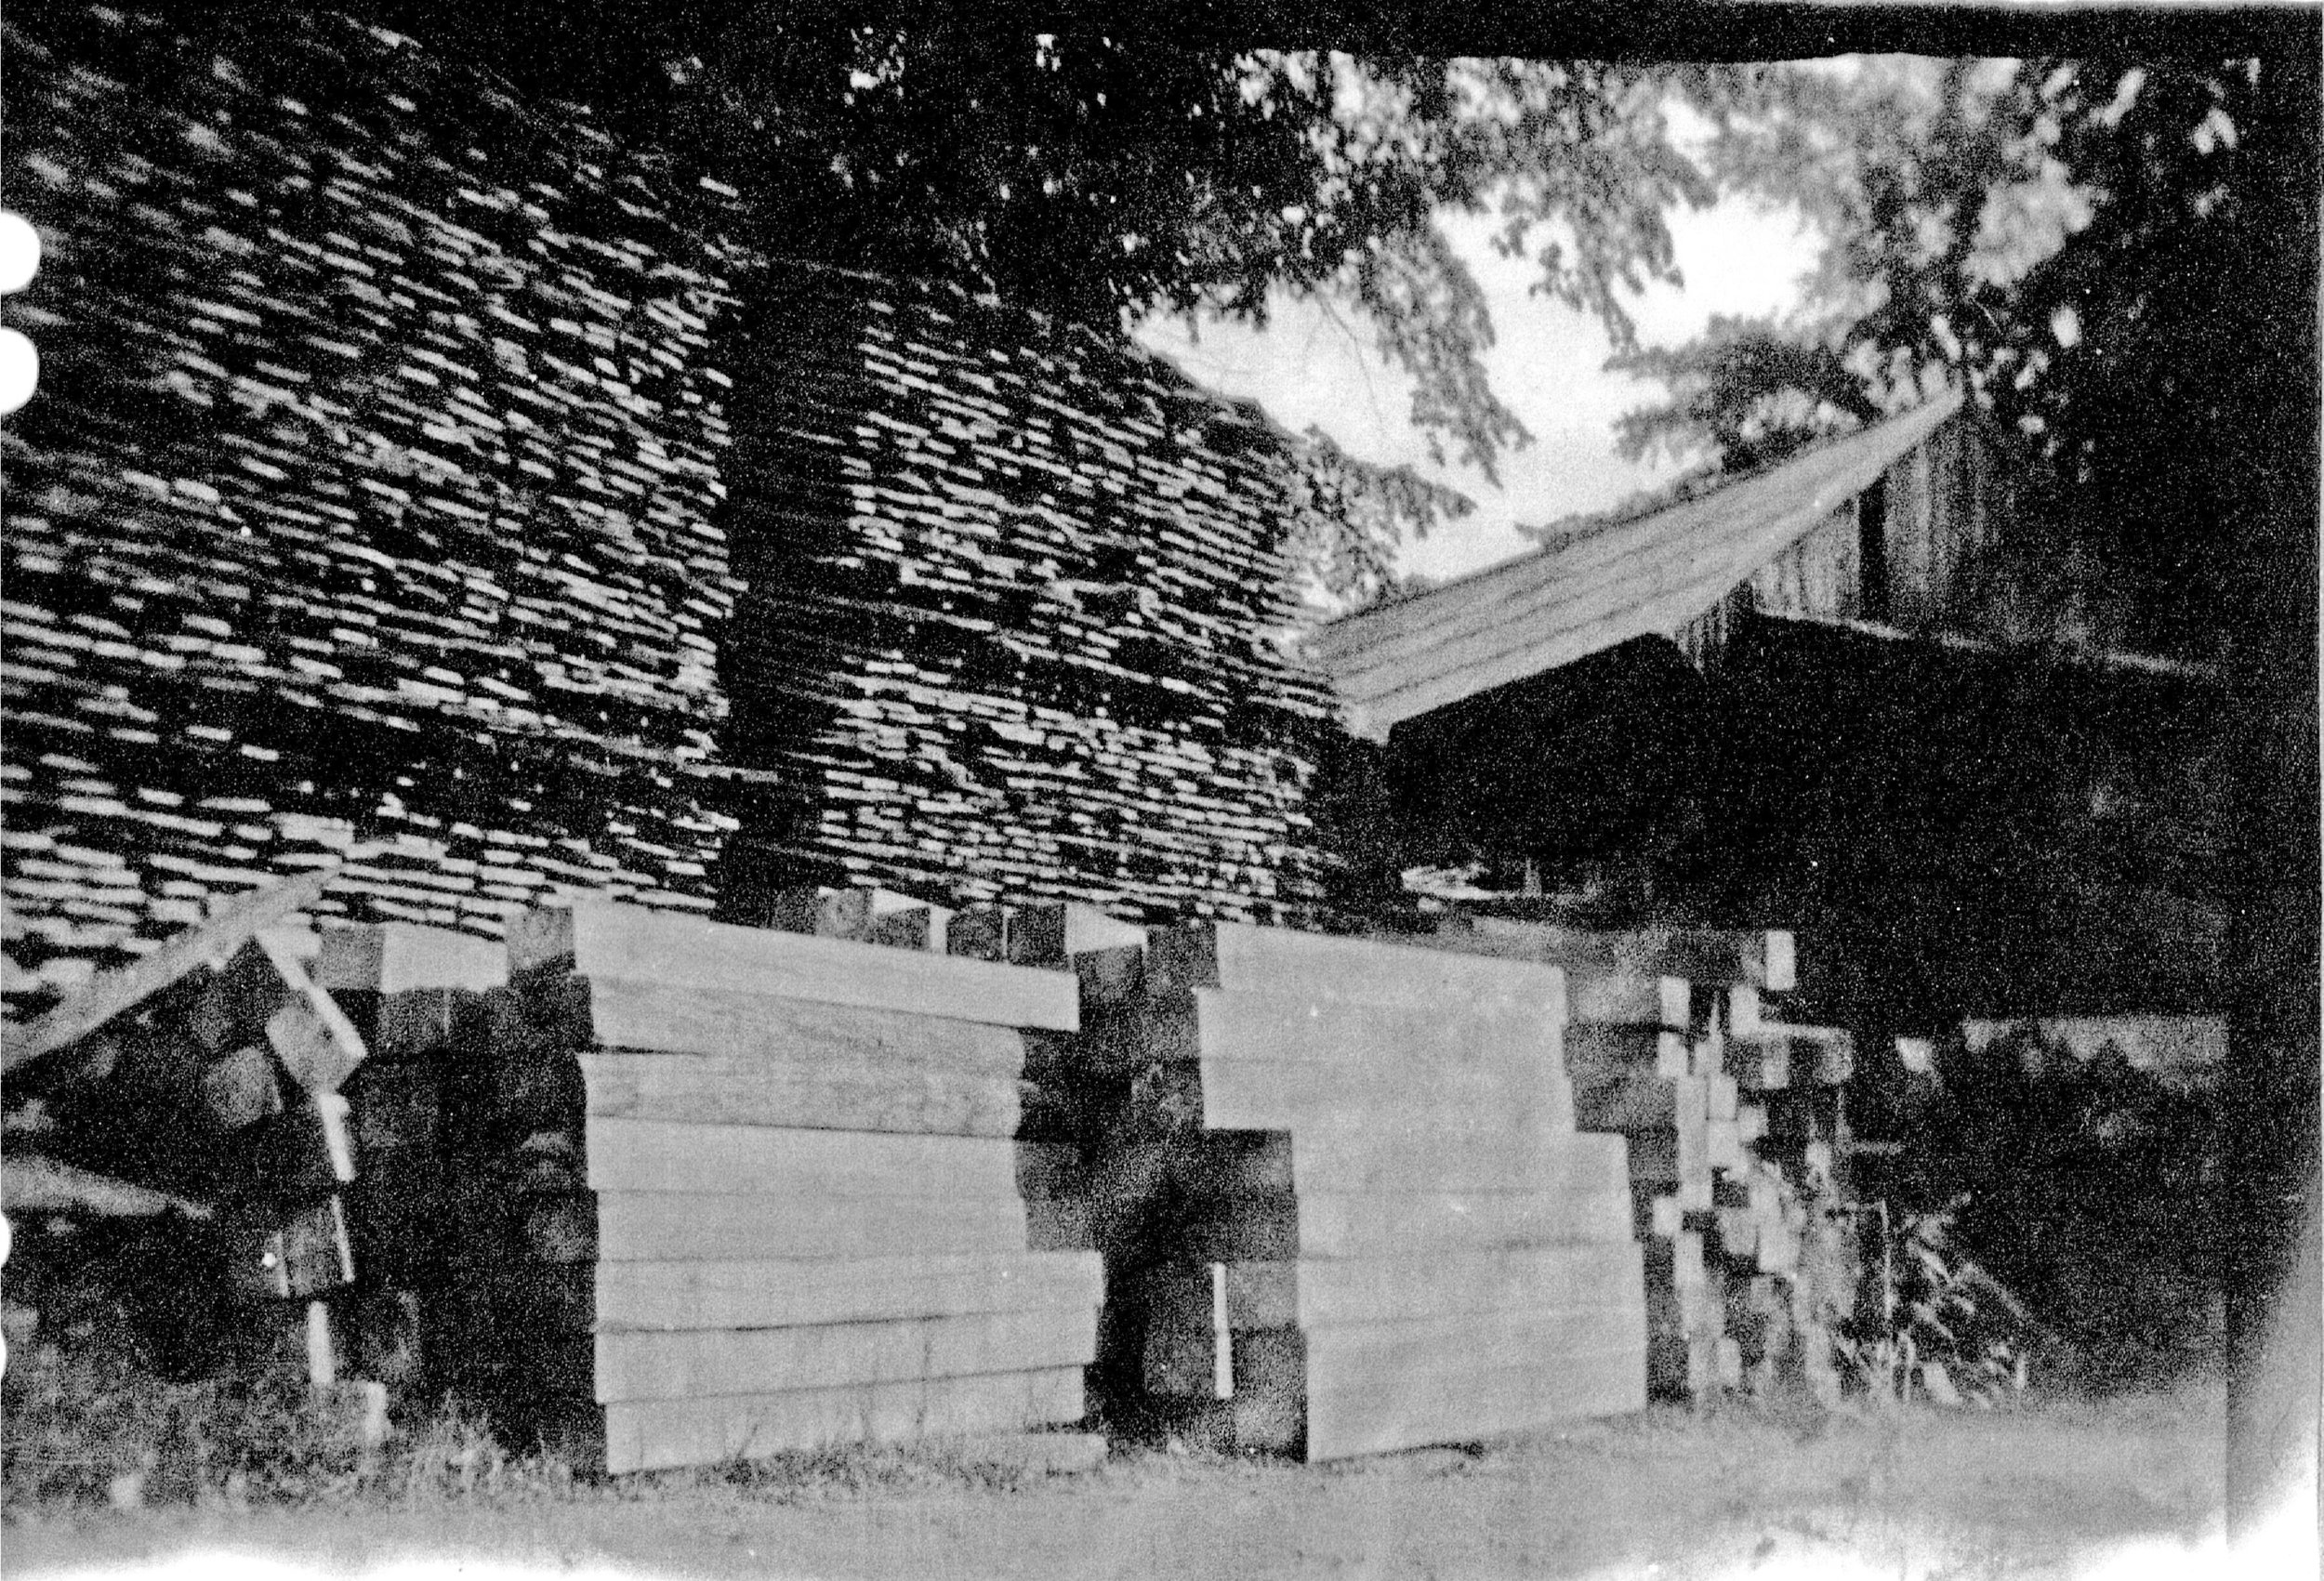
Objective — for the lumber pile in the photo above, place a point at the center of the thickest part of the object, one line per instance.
(1015, 596)
(367, 514)
(729, 1191)
(1343, 1203)
(1736, 1119)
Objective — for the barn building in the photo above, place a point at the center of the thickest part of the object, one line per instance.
(1861, 690)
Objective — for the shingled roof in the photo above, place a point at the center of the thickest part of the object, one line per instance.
(1650, 575)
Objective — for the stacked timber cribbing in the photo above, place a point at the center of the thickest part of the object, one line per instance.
(366, 503)
(1342, 1198)
(374, 508)
(1736, 1128)
(773, 1191)
(1016, 615)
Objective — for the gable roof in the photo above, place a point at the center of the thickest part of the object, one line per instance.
(1643, 577)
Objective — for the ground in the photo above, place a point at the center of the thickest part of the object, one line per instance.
(2127, 1488)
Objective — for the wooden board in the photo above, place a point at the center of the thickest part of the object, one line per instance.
(651, 1434)
(1359, 971)
(1361, 1409)
(780, 1294)
(717, 1362)
(1319, 1293)
(631, 1015)
(1430, 1153)
(211, 942)
(1183, 1361)
(670, 1155)
(1315, 1225)
(394, 957)
(804, 1093)
(596, 939)
(675, 1225)
(1235, 1025)
(1297, 1095)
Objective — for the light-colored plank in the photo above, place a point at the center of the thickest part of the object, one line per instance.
(804, 1093)
(1361, 971)
(644, 1435)
(1227, 1024)
(655, 1226)
(394, 957)
(1182, 1362)
(597, 938)
(635, 1016)
(1315, 1225)
(781, 1294)
(1369, 1410)
(762, 1361)
(1319, 1293)
(210, 943)
(1235, 1094)
(671, 1156)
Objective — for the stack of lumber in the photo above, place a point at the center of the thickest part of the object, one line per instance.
(1011, 627)
(760, 1190)
(1344, 1200)
(1736, 1120)
(368, 512)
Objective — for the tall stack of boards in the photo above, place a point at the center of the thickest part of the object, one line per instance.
(1736, 1128)
(1345, 1202)
(719, 1191)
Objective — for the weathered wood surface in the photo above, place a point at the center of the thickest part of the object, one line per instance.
(807, 1094)
(1186, 1362)
(724, 1361)
(675, 1226)
(210, 942)
(1320, 1293)
(643, 1435)
(670, 1155)
(777, 1294)
(1326, 1096)
(601, 938)
(1363, 1410)
(1383, 1224)
(1287, 1024)
(1346, 971)
(619, 1012)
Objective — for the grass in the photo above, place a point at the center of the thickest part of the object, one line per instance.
(83, 1430)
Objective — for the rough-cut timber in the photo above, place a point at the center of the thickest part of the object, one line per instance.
(1015, 617)
(366, 510)
(644, 1435)
(630, 942)
(725, 1362)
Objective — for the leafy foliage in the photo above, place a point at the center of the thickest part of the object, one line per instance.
(1104, 175)
(1943, 1329)
(2090, 1188)
(2115, 259)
